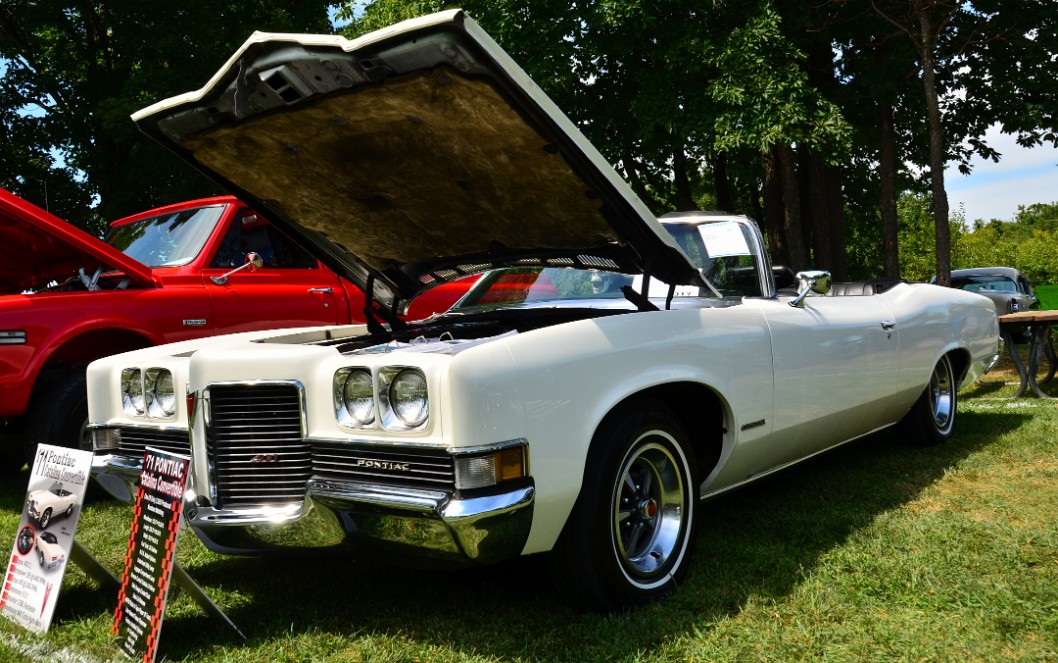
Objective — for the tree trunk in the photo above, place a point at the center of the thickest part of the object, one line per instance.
(814, 209)
(936, 141)
(773, 209)
(755, 197)
(887, 168)
(684, 198)
(792, 230)
(835, 188)
(722, 182)
(635, 179)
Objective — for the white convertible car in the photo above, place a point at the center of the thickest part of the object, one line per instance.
(609, 372)
(45, 503)
(50, 552)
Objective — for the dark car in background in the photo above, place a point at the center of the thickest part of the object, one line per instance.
(1007, 287)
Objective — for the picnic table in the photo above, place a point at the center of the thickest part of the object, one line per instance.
(1038, 325)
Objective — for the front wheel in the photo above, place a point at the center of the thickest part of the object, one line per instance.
(630, 534)
(59, 415)
(931, 419)
(45, 519)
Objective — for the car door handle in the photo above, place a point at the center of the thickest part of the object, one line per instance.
(321, 289)
(888, 326)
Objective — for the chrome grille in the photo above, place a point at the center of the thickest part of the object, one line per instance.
(134, 441)
(254, 441)
(419, 468)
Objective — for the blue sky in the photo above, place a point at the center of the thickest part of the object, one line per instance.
(994, 190)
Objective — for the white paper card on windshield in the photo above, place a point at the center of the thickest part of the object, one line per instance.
(660, 290)
(723, 239)
(57, 485)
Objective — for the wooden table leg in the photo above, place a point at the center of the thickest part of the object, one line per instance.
(1040, 338)
(1048, 349)
(1008, 338)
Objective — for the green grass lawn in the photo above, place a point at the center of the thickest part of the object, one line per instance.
(873, 552)
(1048, 296)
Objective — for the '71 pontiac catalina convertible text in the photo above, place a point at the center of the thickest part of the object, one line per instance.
(608, 372)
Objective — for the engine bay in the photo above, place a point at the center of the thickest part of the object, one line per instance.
(453, 333)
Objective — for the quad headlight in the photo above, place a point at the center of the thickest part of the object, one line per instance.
(354, 398)
(397, 398)
(132, 399)
(159, 393)
(402, 398)
(149, 393)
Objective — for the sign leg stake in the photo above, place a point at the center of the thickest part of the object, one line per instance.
(93, 568)
(186, 583)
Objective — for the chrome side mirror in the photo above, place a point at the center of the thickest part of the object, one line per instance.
(253, 263)
(817, 281)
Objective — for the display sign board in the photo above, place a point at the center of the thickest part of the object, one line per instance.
(57, 484)
(151, 553)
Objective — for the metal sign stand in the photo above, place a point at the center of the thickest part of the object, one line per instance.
(95, 570)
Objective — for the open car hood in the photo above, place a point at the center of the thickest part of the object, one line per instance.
(422, 149)
(37, 247)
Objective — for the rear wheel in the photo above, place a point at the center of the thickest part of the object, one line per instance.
(630, 535)
(931, 419)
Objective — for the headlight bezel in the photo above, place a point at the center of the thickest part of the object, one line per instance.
(393, 404)
(159, 406)
(358, 417)
(400, 399)
(140, 395)
(133, 398)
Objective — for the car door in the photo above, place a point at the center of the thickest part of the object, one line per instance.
(836, 370)
(290, 289)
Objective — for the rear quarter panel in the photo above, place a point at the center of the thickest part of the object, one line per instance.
(932, 321)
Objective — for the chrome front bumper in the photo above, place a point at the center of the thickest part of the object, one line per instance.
(118, 475)
(398, 522)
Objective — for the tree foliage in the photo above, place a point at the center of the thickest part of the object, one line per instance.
(1028, 243)
(746, 106)
(817, 119)
(75, 71)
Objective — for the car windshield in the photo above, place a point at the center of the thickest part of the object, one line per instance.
(534, 284)
(985, 284)
(721, 249)
(167, 240)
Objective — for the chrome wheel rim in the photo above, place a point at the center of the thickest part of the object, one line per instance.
(942, 395)
(649, 510)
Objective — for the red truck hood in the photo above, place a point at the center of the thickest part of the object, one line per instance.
(37, 247)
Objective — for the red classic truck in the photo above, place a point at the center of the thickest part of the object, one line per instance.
(197, 268)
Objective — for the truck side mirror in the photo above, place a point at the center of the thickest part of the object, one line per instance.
(253, 263)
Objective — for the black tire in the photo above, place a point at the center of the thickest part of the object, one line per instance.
(40, 556)
(629, 538)
(45, 519)
(59, 415)
(931, 419)
(12, 460)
